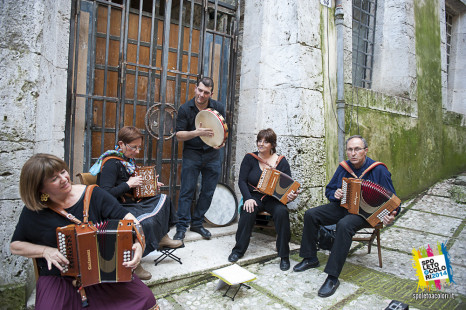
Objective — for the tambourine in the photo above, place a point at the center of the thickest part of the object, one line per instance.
(152, 121)
(214, 120)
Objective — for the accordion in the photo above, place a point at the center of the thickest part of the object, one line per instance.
(149, 182)
(96, 252)
(276, 184)
(368, 199)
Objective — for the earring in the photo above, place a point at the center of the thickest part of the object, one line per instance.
(44, 197)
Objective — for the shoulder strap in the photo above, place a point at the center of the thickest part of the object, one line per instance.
(260, 159)
(345, 166)
(278, 160)
(372, 167)
(266, 163)
(107, 158)
(87, 199)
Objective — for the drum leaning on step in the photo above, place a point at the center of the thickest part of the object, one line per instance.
(224, 206)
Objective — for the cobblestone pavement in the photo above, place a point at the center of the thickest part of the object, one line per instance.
(437, 215)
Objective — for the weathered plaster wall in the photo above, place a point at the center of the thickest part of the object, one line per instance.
(33, 62)
(418, 141)
(281, 88)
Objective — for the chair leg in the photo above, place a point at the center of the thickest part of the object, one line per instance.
(379, 248)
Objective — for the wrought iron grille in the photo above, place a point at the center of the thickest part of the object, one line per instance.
(449, 26)
(127, 55)
(364, 13)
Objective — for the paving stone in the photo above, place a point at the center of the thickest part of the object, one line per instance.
(427, 222)
(458, 250)
(403, 239)
(299, 288)
(395, 263)
(369, 302)
(440, 205)
(207, 297)
(442, 188)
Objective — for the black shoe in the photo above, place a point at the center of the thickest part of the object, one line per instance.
(285, 263)
(306, 264)
(233, 258)
(202, 231)
(179, 235)
(328, 288)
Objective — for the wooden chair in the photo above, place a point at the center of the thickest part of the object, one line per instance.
(86, 178)
(263, 220)
(371, 234)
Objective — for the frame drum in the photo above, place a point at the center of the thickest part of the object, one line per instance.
(212, 119)
(223, 208)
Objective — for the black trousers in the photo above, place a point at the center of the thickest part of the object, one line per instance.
(281, 220)
(347, 226)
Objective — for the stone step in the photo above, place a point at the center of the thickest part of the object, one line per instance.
(199, 257)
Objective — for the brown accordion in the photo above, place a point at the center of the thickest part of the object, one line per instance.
(96, 252)
(149, 182)
(368, 199)
(277, 184)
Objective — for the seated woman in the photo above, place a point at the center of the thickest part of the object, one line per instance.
(254, 202)
(44, 184)
(115, 176)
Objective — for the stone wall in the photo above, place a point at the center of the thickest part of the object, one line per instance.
(281, 88)
(33, 61)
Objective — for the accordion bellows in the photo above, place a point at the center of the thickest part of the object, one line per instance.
(277, 184)
(96, 252)
(368, 199)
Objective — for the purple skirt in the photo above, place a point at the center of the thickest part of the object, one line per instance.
(54, 292)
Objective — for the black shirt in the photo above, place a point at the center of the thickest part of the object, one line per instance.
(185, 122)
(40, 227)
(113, 178)
(250, 173)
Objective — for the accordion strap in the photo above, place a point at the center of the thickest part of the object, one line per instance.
(107, 158)
(266, 163)
(345, 165)
(71, 217)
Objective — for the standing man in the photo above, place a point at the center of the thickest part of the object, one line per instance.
(332, 213)
(198, 158)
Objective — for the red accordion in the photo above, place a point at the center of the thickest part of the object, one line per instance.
(96, 252)
(368, 199)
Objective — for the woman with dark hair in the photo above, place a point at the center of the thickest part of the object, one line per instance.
(254, 202)
(115, 175)
(44, 185)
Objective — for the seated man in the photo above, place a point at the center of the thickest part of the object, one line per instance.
(332, 213)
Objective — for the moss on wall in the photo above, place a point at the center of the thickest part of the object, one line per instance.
(418, 150)
(13, 296)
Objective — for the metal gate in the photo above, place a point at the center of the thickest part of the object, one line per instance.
(127, 55)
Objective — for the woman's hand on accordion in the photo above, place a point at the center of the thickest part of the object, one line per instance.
(137, 250)
(53, 256)
(134, 181)
(292, 196)
(159, 184)
(249, 205)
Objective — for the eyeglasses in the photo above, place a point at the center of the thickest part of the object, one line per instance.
(134, 148)
(356, 149)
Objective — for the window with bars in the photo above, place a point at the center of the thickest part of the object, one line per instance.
(449, 24)
(364, 13)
